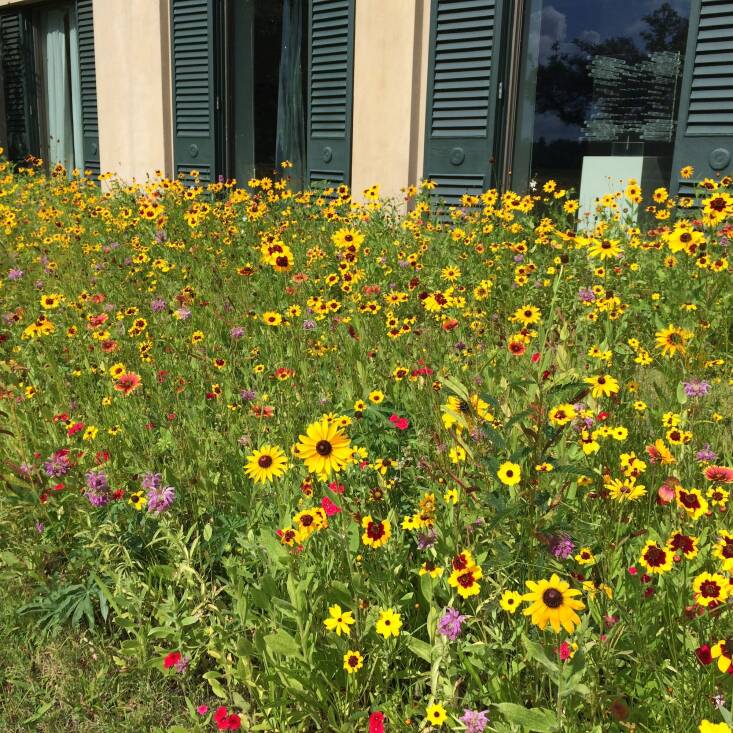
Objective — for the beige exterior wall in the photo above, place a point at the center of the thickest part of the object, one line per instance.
(132, 57)
(390, 72)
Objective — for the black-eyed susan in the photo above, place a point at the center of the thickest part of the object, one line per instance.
(436, 715)
(510, 601)
(553, 602)
(138, 499)
(324, 448)
(561, 414)
(602, 385)
(266, 463)
(673, 339)
(509, 473)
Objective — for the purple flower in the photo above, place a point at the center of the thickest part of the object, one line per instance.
(160, 500)
(474, 720)
(158, 305)
(40, 527)
(450, 623)
(706, 454)
(97, 481)
(309, 325)
(15, 274)
(57, 465)
(183, 313)
(237, 332)
(26, 469)
(586, 295)
(160, 236)
(696, 388)
(151, 481)
(248, 395)
(561, 546)
(427, 539)
(182, 664)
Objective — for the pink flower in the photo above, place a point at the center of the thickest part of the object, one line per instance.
(721, 474)
(633, 570)
(202, 709)
(401, 423)
(336, 487)
(329, 507)
(171, 660)
(565, 651)
(376, 722)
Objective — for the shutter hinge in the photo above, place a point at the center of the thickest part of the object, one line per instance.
(501, 91)
(218, 102)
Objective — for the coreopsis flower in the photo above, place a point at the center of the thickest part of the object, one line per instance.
(510, 600)
(553, 602)
(655, 558)
(388, 624)
(339, 621)
(376, 533)
(723, 652)
(561, 414)
(723, 549)
(353, 661)
(465, 575)
(692, 501)
(711, 589)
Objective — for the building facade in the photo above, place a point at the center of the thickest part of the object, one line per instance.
(469, 93)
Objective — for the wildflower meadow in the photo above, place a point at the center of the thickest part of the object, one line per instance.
(297, 461)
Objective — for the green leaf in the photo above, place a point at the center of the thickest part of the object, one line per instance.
(208, 531)
(681, 396)
(282, 643)
(420, 648)
(536, 652)
(539, 720)
(39, 713)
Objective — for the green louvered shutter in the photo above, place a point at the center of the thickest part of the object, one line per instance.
(88, 85)
(330, 86)
(17, 58)
(705, 128)
(463, 89)
(192, 32)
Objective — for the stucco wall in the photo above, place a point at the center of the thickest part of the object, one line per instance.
(131, 51)
(390, 68)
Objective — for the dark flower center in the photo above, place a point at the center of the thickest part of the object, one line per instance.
(709, 589)
(466, 580)
(375, 530)
(552, 598)
(264, 461)
(655, 556)
(323, 448)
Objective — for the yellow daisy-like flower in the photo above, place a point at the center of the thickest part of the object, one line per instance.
(553, 602)
(604, 248)
(324, 449)
(376, 396)
(339, 621)
(436, 715)
(376, 533)
(389, 623)
(527, 315)
(585, 556)
(509, 473)
(271, 318)
(265, 464)
(603, 385)
(711, 589)
(51, 301)
(655, 559)
(138, 500)
(347, 238)
(673, 339)
(561, 414)
(510, 600)
(707, 727)
(353, 661)
(431, 569)
(723, 652)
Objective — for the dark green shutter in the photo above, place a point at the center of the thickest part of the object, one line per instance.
(330, 86)
(88, 85)
(192, 35)
(17, 57)
(463, 89)
(705, 128)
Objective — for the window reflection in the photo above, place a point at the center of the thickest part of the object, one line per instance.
(600, 78)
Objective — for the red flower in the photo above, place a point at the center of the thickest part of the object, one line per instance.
(171, 660)
(721, 474)
(703, 654)
(535, 357)
(224, 721)
(101, 457)
(401, 423)
(336, 487)
(75, 428)
(329, 507)
(376, 722)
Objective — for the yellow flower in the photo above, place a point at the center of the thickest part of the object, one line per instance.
(138, 500)
(435, 715)
(707, 727)
(604, 249)
(339, 621)
(603, 385)
(324, 449)
(553, 602)
(585, 556)
(376, 533)
(673, 339)
(51, 301)
(271, 318)
(376, 396)
(561, 414)
(451, 496)
(509, 473)
(711, 589)
(510, 600)
(266, 463)
(655, 559)
(389, 623)
(431, 569)
(353, 661)
(457, 454)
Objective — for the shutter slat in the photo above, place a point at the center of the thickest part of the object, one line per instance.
(192, 43)
(330, 79)
(88, 85)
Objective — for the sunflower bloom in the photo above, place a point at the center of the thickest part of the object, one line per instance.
(324, 449)
(553, 602)
(265, 464)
